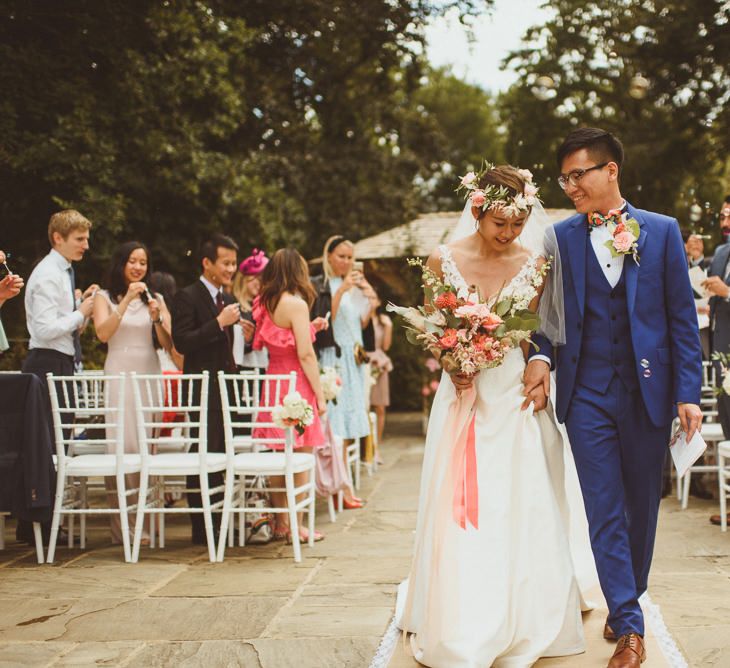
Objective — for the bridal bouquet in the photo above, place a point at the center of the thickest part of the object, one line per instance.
(294, 411)
(466, 333)
(331, 383)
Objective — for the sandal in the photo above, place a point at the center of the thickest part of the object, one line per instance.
(305, 538)
(280, 532)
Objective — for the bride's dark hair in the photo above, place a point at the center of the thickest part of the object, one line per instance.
(504, 175)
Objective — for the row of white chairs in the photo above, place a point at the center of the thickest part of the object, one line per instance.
(164, 455)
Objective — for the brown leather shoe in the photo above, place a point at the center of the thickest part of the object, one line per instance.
(717, 520)
(629, 653)
(608, 633)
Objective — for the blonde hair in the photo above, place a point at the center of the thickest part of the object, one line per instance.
(326, 267)
(65, 222)
(240, 283)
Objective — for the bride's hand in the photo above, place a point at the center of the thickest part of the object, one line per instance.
(461, 381)
(537, 397)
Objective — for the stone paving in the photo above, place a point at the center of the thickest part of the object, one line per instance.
(259, 608)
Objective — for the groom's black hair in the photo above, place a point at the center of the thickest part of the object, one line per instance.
(600, 144)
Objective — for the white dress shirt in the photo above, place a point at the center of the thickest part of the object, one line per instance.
(50, 308)
(611, 266)
(211, 288)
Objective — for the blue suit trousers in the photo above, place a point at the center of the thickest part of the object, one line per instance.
(619, 455)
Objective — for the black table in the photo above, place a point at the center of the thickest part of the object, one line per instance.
(27, 473)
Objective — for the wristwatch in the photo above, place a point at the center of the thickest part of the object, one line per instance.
(158, 321)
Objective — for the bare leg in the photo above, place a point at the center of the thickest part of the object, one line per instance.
(380, 413)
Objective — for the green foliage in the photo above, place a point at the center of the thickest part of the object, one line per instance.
(278, 123)
(675, 130)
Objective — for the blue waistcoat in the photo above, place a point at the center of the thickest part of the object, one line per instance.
(606, 349)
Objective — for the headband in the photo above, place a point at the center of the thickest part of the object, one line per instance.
(335, 242)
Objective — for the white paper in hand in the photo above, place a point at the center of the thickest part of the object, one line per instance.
(685, 454)
(697, 277)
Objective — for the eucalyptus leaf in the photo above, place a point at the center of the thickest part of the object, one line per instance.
(503, 307)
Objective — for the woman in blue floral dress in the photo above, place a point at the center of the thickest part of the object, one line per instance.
(351, 300)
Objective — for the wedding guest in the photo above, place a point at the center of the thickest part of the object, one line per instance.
(203, 317)
(52, 316)
(344, 293)
(281, 313)
(718, 285)
(246, 287)
(381, 367)
(11, 284)
(128, 318)
(694, 245)
(164, 284)
(695, 248)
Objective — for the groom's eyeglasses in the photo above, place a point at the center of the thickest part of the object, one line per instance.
(576, 175)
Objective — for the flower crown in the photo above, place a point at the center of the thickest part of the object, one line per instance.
(498, 197)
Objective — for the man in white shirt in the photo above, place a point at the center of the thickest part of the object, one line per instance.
(51, 314)
(50, 306)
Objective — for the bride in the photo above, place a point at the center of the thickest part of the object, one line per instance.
(504, 587)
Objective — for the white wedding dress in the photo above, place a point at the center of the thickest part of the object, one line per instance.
(509, 592)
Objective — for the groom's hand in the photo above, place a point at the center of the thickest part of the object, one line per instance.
(690, 417)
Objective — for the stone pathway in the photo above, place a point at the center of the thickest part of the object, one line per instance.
(258, 608)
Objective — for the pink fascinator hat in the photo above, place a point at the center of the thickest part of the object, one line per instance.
(254, 264)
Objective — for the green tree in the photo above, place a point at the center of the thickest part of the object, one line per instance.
(650, 72)
(459, 123)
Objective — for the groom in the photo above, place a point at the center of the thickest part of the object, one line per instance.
(631, 361)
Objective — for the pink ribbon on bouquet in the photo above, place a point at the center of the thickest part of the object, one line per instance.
(465, 506)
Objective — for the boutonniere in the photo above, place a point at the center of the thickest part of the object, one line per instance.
(625, 235)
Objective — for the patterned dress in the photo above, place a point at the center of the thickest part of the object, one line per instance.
(348, 417)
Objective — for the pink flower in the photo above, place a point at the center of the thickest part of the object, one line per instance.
(470, 310)
(527, 175)
(530, 190)
(491, 322)
(432, 365)
(434, 385)
(623, 241)
(447, 300)
(478, 198)
(468, 178)
(448, 340)
(425, 391)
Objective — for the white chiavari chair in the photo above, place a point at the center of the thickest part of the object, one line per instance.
(244, 397)
(153, 396)
(110, 461)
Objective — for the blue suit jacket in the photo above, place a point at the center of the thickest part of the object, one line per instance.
(662, 314)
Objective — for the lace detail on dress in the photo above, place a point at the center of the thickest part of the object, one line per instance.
(451, 272)
(523, 285)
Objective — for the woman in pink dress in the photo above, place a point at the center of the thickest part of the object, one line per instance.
(281, 313)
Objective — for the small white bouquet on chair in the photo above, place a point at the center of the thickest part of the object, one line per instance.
(331, 383)
(294, 411)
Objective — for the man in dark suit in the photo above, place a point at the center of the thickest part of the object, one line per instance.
(203, 317)
(718, 284)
